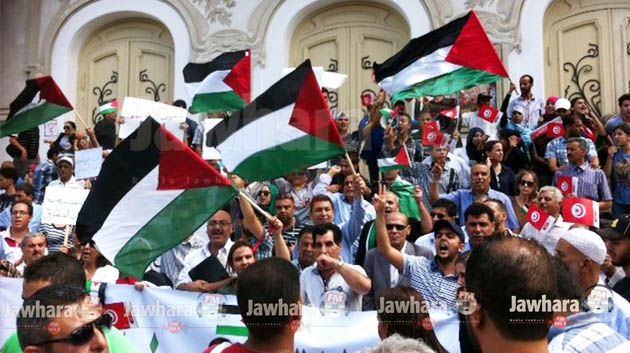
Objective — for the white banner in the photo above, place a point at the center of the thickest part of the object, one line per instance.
(88, 163)
(62, 205)
(178, 321)
(135, 110)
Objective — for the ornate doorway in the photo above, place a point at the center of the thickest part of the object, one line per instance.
(348, 39)
(130, 58)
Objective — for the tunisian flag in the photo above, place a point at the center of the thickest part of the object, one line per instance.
(581, 211)
(539, 219)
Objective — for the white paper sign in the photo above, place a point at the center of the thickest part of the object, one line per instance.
(209, 153)
(135, 110)
(62, 205)
(51, 130)
(88, 163)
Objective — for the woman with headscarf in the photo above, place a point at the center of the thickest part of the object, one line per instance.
(475, 146)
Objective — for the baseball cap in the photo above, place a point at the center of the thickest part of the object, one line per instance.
(562, 103)
(619, 228)
(442, 223)
(586, 242)
(519, 109)
(65, 158)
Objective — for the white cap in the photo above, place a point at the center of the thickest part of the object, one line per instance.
(562, 103)
(588, 243)
(519, 108)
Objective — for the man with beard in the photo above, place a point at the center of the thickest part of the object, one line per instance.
(500, 217)
(533, 107)
(434, 278)
(382, 273)
(556, 153)
(34, 247)
(617, 239)
(549, 200)
(480, 191)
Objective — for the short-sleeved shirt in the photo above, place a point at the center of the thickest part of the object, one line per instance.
(315, 291)
(621, 177)
(557, 149)
(613, 123)
(463, 198)
(426, 277)
(592, 183)
(196, 256)
(533, 109)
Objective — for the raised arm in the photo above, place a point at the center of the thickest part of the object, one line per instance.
(250, 221)
(427, 221)
(383, 244)
(275, 228)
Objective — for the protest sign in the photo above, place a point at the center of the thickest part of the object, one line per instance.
(62, 205)
(88, 163)
(136, 110)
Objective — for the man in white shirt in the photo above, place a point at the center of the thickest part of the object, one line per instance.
(219, 229)
(65, 168)
(549, 200)
(533, 107)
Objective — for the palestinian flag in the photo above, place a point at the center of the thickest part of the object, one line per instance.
(287, 128)
(152, 193)
(42, 100)
(449, 59)
(400, 161)
(221, 85)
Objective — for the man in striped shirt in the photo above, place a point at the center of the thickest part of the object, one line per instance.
(591, 183)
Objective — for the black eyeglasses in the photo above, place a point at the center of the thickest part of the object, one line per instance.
(263, 193)
(527, 183)
(85, 333)
(438, 215)
(398, 227)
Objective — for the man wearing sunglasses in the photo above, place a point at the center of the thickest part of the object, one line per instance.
(76, 326)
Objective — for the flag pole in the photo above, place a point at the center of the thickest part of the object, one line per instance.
(80, 118)
(66, 235)
(354, 172)
(255, 205)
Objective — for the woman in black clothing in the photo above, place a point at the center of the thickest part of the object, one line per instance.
(502, 177)
(475, 146)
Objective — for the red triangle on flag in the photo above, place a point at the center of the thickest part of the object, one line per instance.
(49, 91)
(240, 78)
(402, 158)
(473, 49)
(182, 168)
(452, 113)
(311, 113)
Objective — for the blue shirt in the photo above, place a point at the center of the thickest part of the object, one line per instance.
(621, 175)
(426, 277)
(586, 334)
(33, 226)
(463, 198)
(592, 183)
(557, 149)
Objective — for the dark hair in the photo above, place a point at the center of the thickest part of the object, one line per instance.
(285, 196)
(499, 203)
(71, 123)
(531, 79)
(490, 145)
(308, 229)
(623, 97)
(324, 228)
(32, 328)
(180, 103)
(575, 99)
(57, 268)
(321, 198)
(511, 267)
(409, 323)
(52, 151)
(569, 120)
(28, 189)
(448, 205)
(524, 172)
(24, 202)
(237, 244)
(624, 127)
(477, 210)
(9, 173)
(267, 282)
(567, 281)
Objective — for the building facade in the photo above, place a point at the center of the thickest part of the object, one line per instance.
(98, 50)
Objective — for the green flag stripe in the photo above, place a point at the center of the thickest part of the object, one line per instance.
(282, 159)
(31, 118)
(217, 102)
(186, 213)
(453, 82)
(232, 331)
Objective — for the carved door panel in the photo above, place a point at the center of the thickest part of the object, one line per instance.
(329, 50)
(151, 71)
(131, 58)
(578, 57)
(348, 39)
(621, 35)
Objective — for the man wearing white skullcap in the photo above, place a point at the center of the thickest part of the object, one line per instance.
(583, 252)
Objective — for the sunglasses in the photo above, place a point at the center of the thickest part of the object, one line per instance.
(85, 333)
(66, 127)
(398, 227)
(263, 193)
(527, 183)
